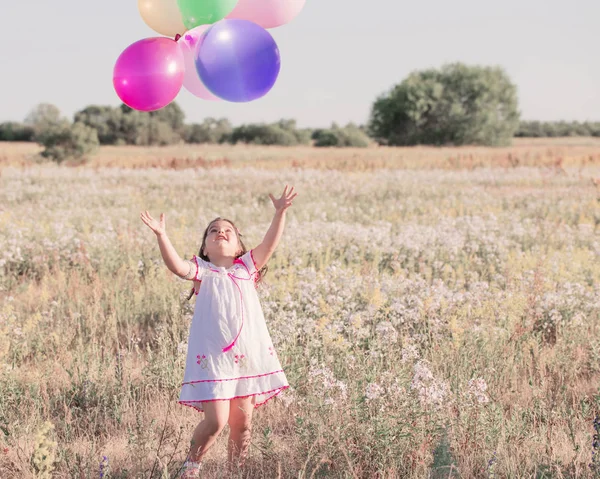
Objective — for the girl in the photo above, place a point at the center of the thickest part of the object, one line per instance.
(231, 365)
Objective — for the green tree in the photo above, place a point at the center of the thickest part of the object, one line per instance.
(106, 120)
(537, 129)
(42, 117)
(325, 138)
(172, 115)
(262, 134)
(456, 105)
(348, 136)
(63, 141)
(143, 129)
(302, 135)
(13, 131)
(209, 131)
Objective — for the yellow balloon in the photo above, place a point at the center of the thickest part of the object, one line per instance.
(162, 16)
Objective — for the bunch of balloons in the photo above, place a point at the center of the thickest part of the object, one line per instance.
(216, 49)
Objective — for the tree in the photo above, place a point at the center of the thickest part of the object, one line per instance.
(42, 117)
(106, 120)
(349, 136)
(262, 134)
(537, 129)
(209, 131)
(143, 129)
(12, 131)
(64, 141)
(455, 105)
(302, 136)
(172, 115)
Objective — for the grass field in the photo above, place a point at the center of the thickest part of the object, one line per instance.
(436, 310)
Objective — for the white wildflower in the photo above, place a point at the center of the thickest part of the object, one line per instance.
(430, 391)
(386, 332)
(182, 347)
(373, 391)
(409, 353)
(477, 389)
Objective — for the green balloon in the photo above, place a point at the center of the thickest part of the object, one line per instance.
(204, 12)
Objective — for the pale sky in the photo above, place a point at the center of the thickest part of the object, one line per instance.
(337, 55)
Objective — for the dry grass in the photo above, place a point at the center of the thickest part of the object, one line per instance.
(391, 291)
(551, 153)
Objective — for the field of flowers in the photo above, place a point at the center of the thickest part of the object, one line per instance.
(437, 311)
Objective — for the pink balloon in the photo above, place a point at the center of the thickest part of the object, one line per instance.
(148, 75)
(267, 13)
(191, 81)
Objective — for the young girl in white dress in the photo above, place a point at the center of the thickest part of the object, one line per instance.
(231, 366)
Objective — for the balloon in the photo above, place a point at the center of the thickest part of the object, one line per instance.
(191, 81)
(204, 12)
(149, 73)
(238, 60)
(267, 13)
(163, 16)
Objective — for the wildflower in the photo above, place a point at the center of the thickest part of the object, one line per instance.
(477, 389)
(373, 391)
(288, 396)
(182, 347)
(44, 452)
(409, 353)
(104, 467)
(430, 391)
(326, 384)
(386, 332)
(492, 466)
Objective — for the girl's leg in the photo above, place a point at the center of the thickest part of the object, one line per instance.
(240, 419)
(216, 414)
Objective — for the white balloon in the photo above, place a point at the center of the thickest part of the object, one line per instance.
(162, 16)
(267, 13)
(188, 45)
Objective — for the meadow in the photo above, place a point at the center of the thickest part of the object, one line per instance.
(436, 310)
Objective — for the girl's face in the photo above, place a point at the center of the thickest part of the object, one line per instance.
(221, 240)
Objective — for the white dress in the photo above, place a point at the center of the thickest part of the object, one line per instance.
(230, 352)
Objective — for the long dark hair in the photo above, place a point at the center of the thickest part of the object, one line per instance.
(260, 274)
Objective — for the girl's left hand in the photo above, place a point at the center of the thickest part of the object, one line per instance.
(285, 201)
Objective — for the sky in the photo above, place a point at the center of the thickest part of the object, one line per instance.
(337, 55)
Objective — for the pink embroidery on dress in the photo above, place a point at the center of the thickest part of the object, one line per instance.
(272, 351)
(202, 361)
(239, 358)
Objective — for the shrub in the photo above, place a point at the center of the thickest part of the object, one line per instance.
(65, 141)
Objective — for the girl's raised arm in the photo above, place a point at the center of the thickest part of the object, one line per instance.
(263, 251)
(180, 267)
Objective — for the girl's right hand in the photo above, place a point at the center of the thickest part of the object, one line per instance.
(155, 225)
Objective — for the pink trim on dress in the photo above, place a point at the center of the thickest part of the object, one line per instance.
(276, 391)
(233, 278)
(197, 269)
(232, 344)
(230, 379)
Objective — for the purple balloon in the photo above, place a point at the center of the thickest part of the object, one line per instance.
(237, 60)
(149, 73)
